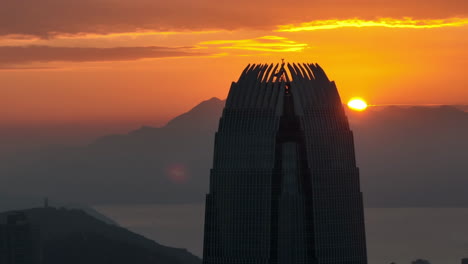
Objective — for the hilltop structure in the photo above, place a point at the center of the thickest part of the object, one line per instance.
(73, 236)
(284, 186)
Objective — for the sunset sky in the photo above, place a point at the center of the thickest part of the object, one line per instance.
(133, 62)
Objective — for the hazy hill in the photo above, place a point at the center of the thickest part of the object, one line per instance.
(409, 156)
(168, 164)
(413, 156)
(73, 236)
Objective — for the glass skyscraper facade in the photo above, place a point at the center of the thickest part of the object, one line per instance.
(284, 187)
(19, 240)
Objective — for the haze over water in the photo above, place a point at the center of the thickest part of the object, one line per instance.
(393, 234)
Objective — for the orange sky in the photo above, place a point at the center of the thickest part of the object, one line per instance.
(142, 61)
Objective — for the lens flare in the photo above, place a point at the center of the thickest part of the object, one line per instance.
(177, 173)
(357, 104)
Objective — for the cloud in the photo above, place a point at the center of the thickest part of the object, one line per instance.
(382, 22)
(18, 55)
(266, 43)
(49, 18)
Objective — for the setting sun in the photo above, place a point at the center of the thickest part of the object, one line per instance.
(357, 104)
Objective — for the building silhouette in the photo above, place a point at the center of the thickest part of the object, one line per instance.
(284, 187)
(420, 261)
(19, 240)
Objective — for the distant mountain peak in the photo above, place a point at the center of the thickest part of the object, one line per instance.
(202, 107)
(203, 117)
(213, 99)
(205, 112)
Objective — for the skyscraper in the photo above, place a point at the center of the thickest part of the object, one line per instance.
(18, 240)
(284, 187)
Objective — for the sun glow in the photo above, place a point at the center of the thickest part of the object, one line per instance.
(357, 104)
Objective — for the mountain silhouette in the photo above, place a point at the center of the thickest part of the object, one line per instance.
(408, 156)
(73, 236)
(413, 156)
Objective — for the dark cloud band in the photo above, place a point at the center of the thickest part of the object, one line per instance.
(14, 55)
(47, 18)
